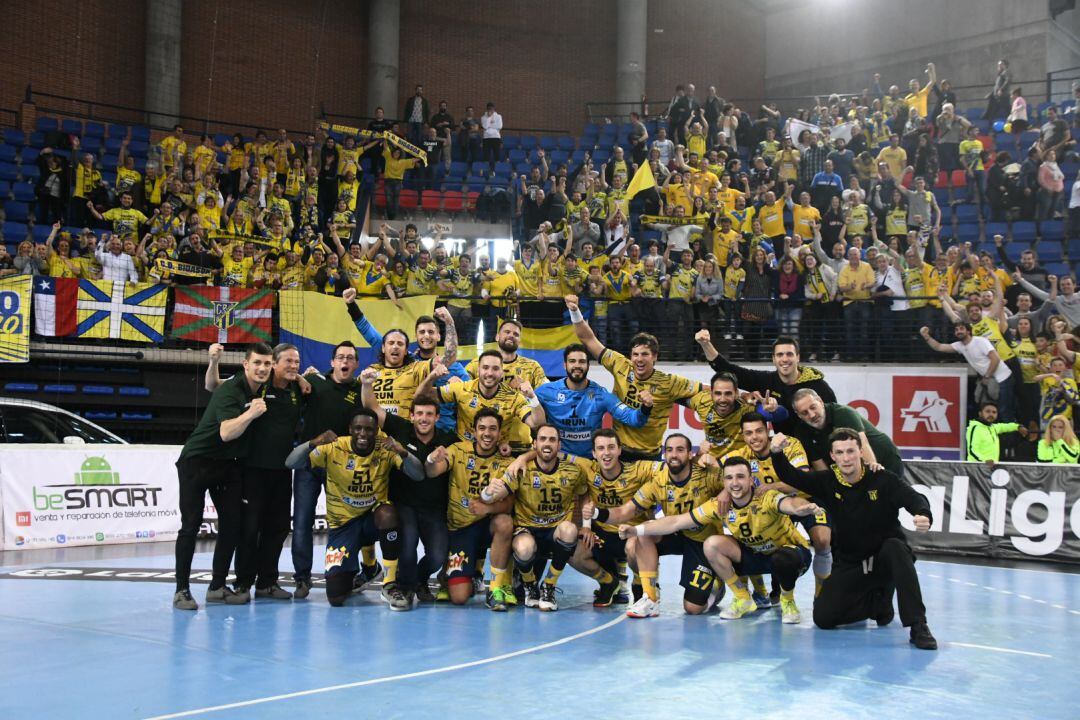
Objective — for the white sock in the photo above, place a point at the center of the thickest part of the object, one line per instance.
(822, 563)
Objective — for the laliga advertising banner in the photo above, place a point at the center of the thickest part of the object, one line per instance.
(56, 495)
(922, 408)
(1016, 510)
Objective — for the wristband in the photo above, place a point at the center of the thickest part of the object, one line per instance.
(486, 496)
(586, 523)
(533, 402)
(639, 530)
(601, 514)
(576, 316)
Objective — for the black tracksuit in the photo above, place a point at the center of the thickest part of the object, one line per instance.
(769, 384)
(871, 554)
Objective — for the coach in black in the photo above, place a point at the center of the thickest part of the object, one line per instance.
(871, 555)
(212, 460)
(818, 419)
(421, 504)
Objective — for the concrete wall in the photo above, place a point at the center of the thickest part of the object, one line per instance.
(830, 46)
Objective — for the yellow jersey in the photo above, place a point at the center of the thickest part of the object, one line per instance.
(989, 329)
(355, 484)
(470, 472)
(772, 219)
(394, 387)
(528, 278)
(520, 367)
(759, 524)
(510, 404)
(618, 286)
(125, 221)
(733, 277)
(616, 492)
(666, 391)
(500, 287)
(681, 282)
(544, 499)
(724, 245)
(673, 498)
(762, 470)
(724, 433)
(369, 282)
(803, 218)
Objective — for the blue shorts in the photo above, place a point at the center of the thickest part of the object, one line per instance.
(697, 575)
(343, 544)
(755, 563)
(467, 546)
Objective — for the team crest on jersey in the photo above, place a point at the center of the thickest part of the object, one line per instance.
(597, 481)
(350, 397)
(710, 417)
(470, 464)
(536, 481)
(561, 397)
(473, 403)
(350, 464)
(671, 495)
(731, 516)
(873, 494)
(754, 466)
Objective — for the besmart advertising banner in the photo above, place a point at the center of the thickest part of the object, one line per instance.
(922, 408)
(1021, 511)
(59, 495)
(62, 495)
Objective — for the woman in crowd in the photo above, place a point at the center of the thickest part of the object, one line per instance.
(1051, 187)
(790, 297)
(757, 308)
(1058, 444)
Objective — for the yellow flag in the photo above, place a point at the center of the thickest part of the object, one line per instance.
(643, 180)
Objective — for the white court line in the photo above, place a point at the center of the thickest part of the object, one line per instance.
(997, 567)
(1002, 650)
(392, 678)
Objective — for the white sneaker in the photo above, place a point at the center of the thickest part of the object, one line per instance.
(738, 608)
(789, 613)
(478, 585)
(644, 608)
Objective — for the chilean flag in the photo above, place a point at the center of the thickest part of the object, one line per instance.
(55, 305)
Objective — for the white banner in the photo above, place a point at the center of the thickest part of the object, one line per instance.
(59, 495)
(922, 408)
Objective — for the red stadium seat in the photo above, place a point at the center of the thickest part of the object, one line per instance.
(380, 198)
(470, 203)
(959, 178)
(453, 201)
(942, 179)
(431, 200)
(409, 199)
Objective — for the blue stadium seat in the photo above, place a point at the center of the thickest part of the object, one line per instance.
(1057, 268)
(559, 157)
(1048, 252)
(94, 129)
(136, 416)
(100, 415)
(23, 192)
(966, 233)
(133, 391)
(110, 163)
(1014, 249)
(30, 172)
(9, 171)
(140, 133)
(1052, 230)
(98, 390)
(36, 140)
(112, 145)
(1074, 249)
(567, 143)
(14, 136)
(91, 145)
(523, 168)
(29, 155)
(5, 189)
(59, 389)
(108, 177)
(16, 211)
(220, 139)
(1023, 231)
(528, 142)
(41, 232)
(993, 229)
(503, 168)
(14, 232)
(7, 154)
(47, 124)
(459, 169)
(20, 387)
(118, 131)
(71, 126)
(138, 148)
(512, 142)
(548, 142)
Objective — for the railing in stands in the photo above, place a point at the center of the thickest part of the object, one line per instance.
(361, 121)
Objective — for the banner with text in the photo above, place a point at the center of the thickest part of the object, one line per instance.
(1020, 511)
(922, 408)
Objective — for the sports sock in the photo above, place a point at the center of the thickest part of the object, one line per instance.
(499, 577)
(738, 588)
(620, 569)
(759, 584)
(822, 564)
(525, 569)
(559, 557)
(367, 555)
(390, 543)
(391, 571)
(787, 594)
(603, 577)
(553, 574)
(648, 584)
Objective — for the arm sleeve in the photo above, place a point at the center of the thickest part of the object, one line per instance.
(748, 379)
(623, 413)
(815, 484)
(781, 414)
(1035, 292)
(367, 331)
(905, 496)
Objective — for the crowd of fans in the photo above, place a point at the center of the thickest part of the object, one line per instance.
(823, 226)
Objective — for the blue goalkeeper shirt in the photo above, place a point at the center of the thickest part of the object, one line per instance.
(578, 413)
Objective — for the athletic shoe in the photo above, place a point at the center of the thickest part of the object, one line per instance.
(547, 598)
(605, 595)
(738, 608)
(921, 637)
(789, 613)
(274, 592)
(636, 591)
(395, 598)
(496, 599)
(443, 593)
(518, 589)
(645, 607)
(774, 599)
(509, 596)
(303, 589)
(182, 600)
(532, 594)
(424, 594)
(763, 601)
(478, 586)
(227, 596)
(242, 588)
(622, 597)
(716, 594)
(367, 575)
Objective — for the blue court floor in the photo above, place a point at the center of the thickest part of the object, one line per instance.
(80, 642)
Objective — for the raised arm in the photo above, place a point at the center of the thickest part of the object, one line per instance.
(940, 347)
(212, 378)
(367, 394)
(581, 328)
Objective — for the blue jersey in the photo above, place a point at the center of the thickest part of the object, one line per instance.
(448, 411)
(578, 413)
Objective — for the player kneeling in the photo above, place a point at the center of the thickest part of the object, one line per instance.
(763, 539)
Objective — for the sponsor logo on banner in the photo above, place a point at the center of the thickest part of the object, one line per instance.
(22, 519)
(926, 411)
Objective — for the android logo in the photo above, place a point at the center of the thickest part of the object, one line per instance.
(96, 471)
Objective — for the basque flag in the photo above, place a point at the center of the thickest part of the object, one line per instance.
(55, 306)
